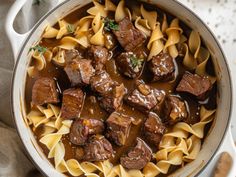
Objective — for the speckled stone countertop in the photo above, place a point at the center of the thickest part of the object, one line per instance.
(220, 16)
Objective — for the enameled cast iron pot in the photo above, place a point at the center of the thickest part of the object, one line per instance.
(22, 42)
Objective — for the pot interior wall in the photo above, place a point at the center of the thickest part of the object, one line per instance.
(224, 101)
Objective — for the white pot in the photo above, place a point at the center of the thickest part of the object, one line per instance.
(22, 42)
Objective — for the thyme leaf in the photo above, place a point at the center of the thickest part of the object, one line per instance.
(136, 62)
(110, 24)
(39, 49)
(70, 28)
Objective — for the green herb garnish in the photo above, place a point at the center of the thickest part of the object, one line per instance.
(136, 62)
(110, 24)
(39, 49)
(70, 28)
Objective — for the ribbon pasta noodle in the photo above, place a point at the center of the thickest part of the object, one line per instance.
(151, 17)
(155, 44)
(121, 11)
(50, 32)
(59, 57)
(41, 58)
(142, 25)
(98, 8)
(83, 26)
(164, 24)
(48, 116)
(148, 22)
(109, 6)
(189, 61)
(173, 33)
(98, 37)
(68, 42)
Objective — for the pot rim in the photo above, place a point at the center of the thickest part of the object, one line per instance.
(63, 3)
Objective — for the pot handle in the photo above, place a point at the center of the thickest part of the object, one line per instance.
(15, 38)
(229, 146)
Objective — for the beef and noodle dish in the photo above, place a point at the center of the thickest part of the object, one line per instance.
(120, 88)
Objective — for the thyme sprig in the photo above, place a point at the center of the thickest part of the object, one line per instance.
(110, 24)
(40, 49)
(136, 62)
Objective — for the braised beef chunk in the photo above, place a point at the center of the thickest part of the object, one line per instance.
(194, 84)
(72, 103)
(146, 98)
(101, 82)
(44, 91)
(99, 56)
(82, 128)
(153, 129)
(174, 110)
(72, 54)
(118, 126)
(113, 101)
(97, 149)
(137, 157)
(128, 36)
(129, 64)
(162, 67)
(79, 72)
(78, 133)
(79, 153)
(141, 51)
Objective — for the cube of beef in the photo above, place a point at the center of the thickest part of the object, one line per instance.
(146, 98)
(101, 82)
(72, 103)
(99, 55)
(162, 67)
(114, 99)
(153, 129)
(128, 36)
(174, 110)
(82, 128)
(137, 157)
(129, 64)
(118, 126)
(97, 149)
(73, 54)
(194, 84)
(44, 91)
(79, 72)
(79, 153)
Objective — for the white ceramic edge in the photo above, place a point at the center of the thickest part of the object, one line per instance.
(18, 94)
(15, 38)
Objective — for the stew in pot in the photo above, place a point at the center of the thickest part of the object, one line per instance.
(120, 88)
